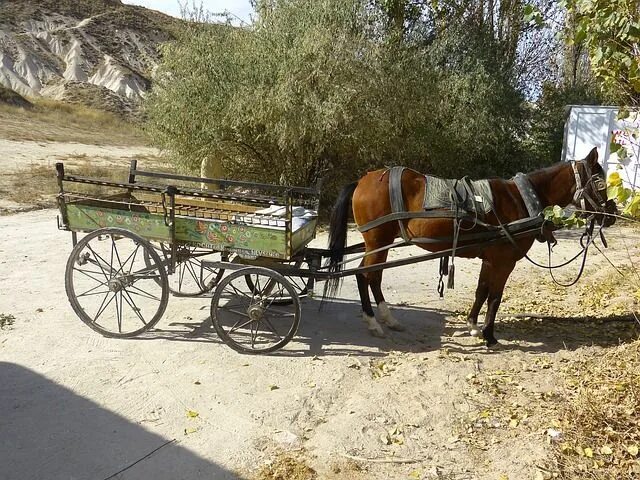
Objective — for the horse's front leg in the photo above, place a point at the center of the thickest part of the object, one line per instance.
(482, 292)
(497, 279)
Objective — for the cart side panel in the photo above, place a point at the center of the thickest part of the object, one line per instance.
(303, 236)
(228, 236)
(247, 240)
(86, 218)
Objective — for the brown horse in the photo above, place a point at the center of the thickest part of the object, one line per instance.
(582, 184)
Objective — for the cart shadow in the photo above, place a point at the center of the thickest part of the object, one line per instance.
(50, 432)
(332, 328)
(549, 334)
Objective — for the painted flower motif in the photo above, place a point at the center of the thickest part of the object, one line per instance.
(201, 226)
(119, 219)
(135, 218)
(230, 239)
(100, 213)
(109, 218)
(213, 236)
(224, 228)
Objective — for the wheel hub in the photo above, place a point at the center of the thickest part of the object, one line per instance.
(115, 285)
(255, 312)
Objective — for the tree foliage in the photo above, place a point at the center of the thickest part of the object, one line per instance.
(328, 89)
(611, 31)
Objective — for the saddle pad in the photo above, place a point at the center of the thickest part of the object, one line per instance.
(447, 193)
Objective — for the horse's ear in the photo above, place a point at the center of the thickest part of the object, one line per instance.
(592, 158)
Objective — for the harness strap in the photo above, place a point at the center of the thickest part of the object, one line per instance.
(578, 196)
(528, 194)
(392, 217)
(395, 197)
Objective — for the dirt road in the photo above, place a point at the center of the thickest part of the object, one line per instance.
(416, 404)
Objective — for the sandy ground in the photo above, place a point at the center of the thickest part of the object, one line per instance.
(76, 405)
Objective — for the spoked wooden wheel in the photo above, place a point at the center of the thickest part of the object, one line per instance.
(300, 284)
(194, 274)
(116, 283)
(249, 320)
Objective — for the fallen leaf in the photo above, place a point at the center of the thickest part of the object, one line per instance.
(188, 431)
(273, 387)
(588, 452)
(633, 450)
(192, 414)
(513, 423)
(414, 474)
(606, 450)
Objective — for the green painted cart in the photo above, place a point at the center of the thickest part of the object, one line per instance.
(157, 234)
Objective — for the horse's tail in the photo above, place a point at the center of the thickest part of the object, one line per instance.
(338, 237)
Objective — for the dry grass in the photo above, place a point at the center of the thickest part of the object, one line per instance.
(37, 187)
(51, 121)
(286, 467)
(601, 420)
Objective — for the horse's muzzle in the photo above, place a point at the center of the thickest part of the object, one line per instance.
(608, 218)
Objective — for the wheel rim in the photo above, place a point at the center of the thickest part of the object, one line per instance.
(250, 319)
(112, 286)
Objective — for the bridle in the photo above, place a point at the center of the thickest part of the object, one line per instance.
(583, 198)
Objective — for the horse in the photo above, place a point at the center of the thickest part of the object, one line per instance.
(581, 183)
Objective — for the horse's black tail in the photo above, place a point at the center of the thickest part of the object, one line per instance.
(338, 237)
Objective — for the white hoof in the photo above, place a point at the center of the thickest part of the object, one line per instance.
(373, 326)
(475, 332)
(388, 319)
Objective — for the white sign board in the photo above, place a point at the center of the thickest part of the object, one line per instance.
(595, 126)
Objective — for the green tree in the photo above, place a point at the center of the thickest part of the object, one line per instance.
(611, 31)
(329, 89)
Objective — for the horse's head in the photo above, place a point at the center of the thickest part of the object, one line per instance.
(591, 190)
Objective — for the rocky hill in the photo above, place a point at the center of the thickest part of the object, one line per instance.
(99, 52)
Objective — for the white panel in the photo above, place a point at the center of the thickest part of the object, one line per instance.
(591, 130)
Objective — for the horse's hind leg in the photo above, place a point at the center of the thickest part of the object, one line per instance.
(375, 280)
(367, 311)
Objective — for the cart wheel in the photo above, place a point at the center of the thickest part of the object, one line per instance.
(300, 284)
(248, 319)
(194, 274)
(112, 287)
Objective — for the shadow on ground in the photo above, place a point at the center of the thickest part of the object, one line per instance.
(551, 334)
(332, 328)
(49, 432)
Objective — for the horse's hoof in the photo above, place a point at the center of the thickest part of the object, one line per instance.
(376, 332)
(475, 332)
(493, 344)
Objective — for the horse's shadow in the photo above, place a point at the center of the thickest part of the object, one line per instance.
(331, 328)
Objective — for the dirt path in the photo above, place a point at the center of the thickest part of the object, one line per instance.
(74, 404)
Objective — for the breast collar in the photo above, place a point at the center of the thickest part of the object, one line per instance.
(528, 194)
